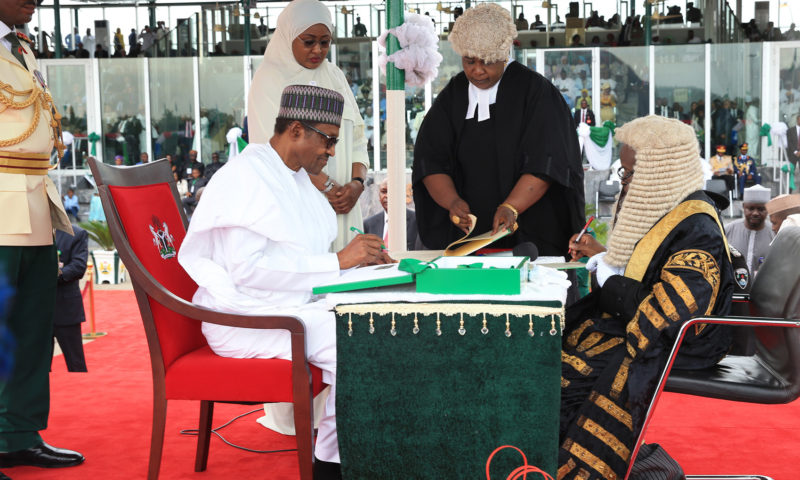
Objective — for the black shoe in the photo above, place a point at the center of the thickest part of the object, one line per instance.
(42, 455)
(4, 477)
(327, 470)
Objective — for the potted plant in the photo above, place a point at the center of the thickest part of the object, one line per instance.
(107, 266)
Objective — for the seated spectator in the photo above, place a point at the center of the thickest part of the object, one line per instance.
(378, 224)
(752, 234)
(196, 184)
(181, 184)
(722, 167)
(781, 207)
(746, 170)
(81, 52)
(214, 166)
(118, 160)
(143, 158)
(71, 204)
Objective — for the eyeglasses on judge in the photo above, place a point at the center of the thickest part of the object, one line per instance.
(330, 140)
(624, 174)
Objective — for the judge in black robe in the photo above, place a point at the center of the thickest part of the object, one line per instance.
(618, 338)
(529, 132)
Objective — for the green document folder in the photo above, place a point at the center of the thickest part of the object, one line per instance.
(366, 277)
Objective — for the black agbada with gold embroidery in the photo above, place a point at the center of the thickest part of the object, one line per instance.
(619, 337)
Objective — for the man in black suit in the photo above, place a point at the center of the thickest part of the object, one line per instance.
(793, 142)
(584, 115)
(73, 252)
(377, 223)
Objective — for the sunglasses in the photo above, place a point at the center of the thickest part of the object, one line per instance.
(330, 140)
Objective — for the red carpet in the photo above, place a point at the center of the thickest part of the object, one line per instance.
(106, 413)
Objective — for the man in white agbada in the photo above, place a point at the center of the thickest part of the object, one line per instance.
(753, 234)
(259, 242)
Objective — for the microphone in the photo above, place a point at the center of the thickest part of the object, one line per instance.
(526, 249)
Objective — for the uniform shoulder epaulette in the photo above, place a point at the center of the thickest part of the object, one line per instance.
(24, 37)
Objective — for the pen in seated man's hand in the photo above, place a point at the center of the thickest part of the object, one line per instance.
(364, 249)
(587, 246)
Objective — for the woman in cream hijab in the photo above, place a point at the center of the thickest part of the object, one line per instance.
(296, 55)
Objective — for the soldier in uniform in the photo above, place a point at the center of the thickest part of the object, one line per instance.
(746, 171)
(32, 209)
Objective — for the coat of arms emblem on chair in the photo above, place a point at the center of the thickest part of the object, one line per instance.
(162, 238)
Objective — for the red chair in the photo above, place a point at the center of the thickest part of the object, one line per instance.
(142, 209)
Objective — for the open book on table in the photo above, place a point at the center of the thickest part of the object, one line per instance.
(467, 244)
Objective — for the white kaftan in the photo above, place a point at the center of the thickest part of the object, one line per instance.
(257, 244)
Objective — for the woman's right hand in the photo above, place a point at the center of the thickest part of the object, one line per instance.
(587, 246)
(460, 210)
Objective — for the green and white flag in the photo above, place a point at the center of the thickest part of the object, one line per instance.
(597, 143)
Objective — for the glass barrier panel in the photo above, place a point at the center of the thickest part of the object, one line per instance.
(221, 103)
(122, 100)
(680, 82)
(735, 95)
(627, 71)
(355, 60)
(449, 68)
(789, 87)
(172, 108)
(68, 87)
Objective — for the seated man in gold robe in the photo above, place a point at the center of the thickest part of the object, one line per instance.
(667, 261)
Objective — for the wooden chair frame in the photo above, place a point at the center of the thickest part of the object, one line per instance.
(145, 287)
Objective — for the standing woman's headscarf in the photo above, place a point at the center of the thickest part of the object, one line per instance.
(280, 69)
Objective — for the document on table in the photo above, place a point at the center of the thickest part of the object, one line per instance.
(366, 277)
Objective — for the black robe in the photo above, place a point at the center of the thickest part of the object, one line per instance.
(619, 337)
(530, 131)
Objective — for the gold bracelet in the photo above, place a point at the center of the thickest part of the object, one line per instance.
(510, 207)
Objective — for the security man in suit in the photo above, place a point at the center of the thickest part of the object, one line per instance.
(73, 251)
(31, 206)
(378, 223)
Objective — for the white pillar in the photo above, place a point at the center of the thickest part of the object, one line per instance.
(396, 167)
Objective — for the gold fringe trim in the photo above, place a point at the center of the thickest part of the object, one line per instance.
(450, 309)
